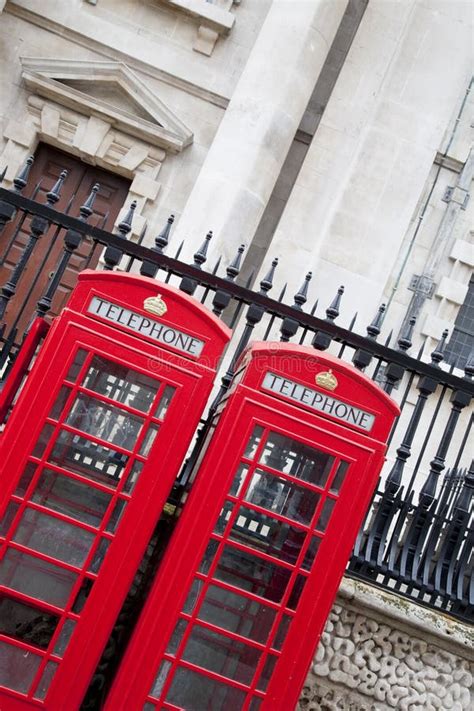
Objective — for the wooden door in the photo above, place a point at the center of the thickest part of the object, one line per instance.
(49, 162)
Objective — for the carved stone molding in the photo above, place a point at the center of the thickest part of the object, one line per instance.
(214, 20)
(367, 660)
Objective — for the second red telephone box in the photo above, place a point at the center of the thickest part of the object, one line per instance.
(88, 458)
(247, 582)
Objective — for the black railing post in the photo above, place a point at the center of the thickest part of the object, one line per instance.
(221, 297)
(38, 226)
(394, 372)
(72, 240)
(321, 339)
(113, 255)
(8, 211)
(362, 358)
(150, 269)
(189, 285)
(289, 326)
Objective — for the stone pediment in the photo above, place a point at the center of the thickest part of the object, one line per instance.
(110, 91)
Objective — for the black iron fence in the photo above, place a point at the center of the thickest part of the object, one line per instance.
(418, 534)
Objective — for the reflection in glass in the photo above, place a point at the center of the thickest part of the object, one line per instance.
(195, 692)
(248, 572)
(25, 479)
(60, 402)
(176, 637)
(266, 672)
(82, 595)
(36, 578)
(298, 459)
(296, 592)
(191, 600)
(224, 516)
(220, 654)
(17, 667)
(325, 514)
(268, 535)
(91, 460)
(160, 679)
(71, 497)
(25, 622)
(46, 679)
(64, 637)
(165, 401)
(239, 479)
(282, 631)
(99, 555)
(133, 477)
(339, 477)
(116, 516)
(53, 537)
(281, 496)
(7, 518)
(43, 440)
(76, 365)
(104, 421)
(120, 383)
(150, 437)
(208, 556)
(237, 613)
(253, 442)
(311, 553)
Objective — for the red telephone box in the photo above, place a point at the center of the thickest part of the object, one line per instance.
(89, 456)
(247, 582)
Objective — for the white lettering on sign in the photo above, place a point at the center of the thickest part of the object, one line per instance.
(318, 401)
(146, 326)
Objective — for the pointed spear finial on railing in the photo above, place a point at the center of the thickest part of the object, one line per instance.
(54, 194)
(3, 174)
(22, 178)
(221, 297)
(188, 283)
(289, 326)
(86, 210)
(322, 340)
(438, 354)
(404, 341)
(267, 281)
(113, 255)
(233, 269)
(374, 328)
(161, 241)
(125, 225)
(469, 367)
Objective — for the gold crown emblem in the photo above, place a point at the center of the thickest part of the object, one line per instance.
(155, 305)
(327, 380)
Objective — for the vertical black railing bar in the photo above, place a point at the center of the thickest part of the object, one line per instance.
(464, 441)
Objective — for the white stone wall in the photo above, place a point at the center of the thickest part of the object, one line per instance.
(380, 652)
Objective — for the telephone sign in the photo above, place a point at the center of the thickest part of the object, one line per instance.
(89, 455)
(249, 577)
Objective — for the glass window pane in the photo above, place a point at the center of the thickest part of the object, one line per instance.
(298, 459)
(237, 613)
(282, 631)
(76, 365)
(338, 480)
(71, 497)
(30, 624)
(36, 577)
(17, 667)
(99, 555)
(239, 480)
(311, 553)
(43, 440)
(325, 514)
(248, 572)
(164, 402)
(176, 637)
(64, 637)
(255, 704)
(116, 516)
(208, 556)
(193, 594)
(224, 516)
(82, 595)
(104, 421)
(253, 442)
(53, 537)
(220, 654)
(147, 443)
(195, 692)
(58, 406)
(91, 460)
(7, 518)
(157, 686)
(120, 383)
(267, 534)
(281, 496)
(25, 479)
(266, 673)
(296, 592)
(133, 477)
(46, 679)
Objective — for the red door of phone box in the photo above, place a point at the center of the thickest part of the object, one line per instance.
(89, 456)
(249, 577)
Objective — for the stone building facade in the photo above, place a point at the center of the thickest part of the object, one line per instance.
(334, 134)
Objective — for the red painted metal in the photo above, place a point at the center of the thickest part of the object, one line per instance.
(249, 577)
(89, 455)
(39, 328)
